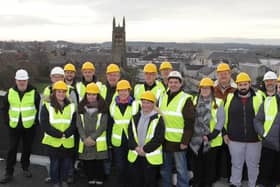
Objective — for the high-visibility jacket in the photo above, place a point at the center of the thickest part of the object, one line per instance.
(101, 143)
(218, 141)
(158, 90)
(154, 157)
(81, 89)
(121, 121)
(61, 122)
(257, 101)
(103, 92)
(172, 115)
(24, 108)
(270, 110)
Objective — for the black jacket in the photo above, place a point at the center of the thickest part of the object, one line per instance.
(155, 142)
(5, 105)
(241, 119)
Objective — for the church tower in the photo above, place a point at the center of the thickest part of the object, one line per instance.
(119, 44)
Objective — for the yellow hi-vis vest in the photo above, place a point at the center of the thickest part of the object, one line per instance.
(218, 141)
(172, 115)
(101, 143)
(24, 108)
(257, 101)
(154, 157)
(158, 90)
(270, 111)
(121, 121)
(103, 92)
(61, 122)
(81, 89)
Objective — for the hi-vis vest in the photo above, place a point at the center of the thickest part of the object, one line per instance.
(218, 141)
(101, 143)
(270, 111)
(103, 92)
(155, 157)
(158, 90)
(172, 115)
(24, 108)
(257, 101)
(81, 89)
(121, 121)
(61, 122)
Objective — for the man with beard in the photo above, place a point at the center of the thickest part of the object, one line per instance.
(69, 78)
(240, 135)
(267, 124)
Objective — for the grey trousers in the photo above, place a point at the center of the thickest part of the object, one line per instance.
(241, 152)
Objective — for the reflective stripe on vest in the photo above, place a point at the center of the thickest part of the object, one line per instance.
(218, 141)
(140, 88)
(101, 143)
(257, 101)
(270, 110)
(24, 108)
(121, 121)
(61, 122)
(154, 157)
(172, 115)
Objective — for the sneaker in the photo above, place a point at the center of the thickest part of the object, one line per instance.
(7, 178)
(99, 183)
(91, 182)
(27, 173)
(48, 180)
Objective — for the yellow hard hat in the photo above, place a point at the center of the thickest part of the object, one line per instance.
(148, 95)
(165, 65)
(113, 68)
(150, 68)
(59, 85)
(206, 82)
(92, 88)
(88, 65)
(223, 67)
(278, 80)
(123, 85)
(243, 77)
(69, 67)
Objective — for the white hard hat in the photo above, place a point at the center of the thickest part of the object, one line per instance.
(21, 74)
(175, 74)
(57, 71)
(270, 75)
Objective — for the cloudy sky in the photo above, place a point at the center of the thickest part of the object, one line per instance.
(146, 20)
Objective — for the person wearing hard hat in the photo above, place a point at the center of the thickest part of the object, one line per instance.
(165, 68)
(122, 108)
(91, 124)
(150, 75)
(145, 139)
(241, 108)
(178, 112)
(267, 125)
(278, 85)
(222, 87)
(88, 73)
(108, 92)
(58, 121)
(19, 111)
(206, 139)
(57, 74)
(224, 84)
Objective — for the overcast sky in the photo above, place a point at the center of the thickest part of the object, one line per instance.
(146, 20)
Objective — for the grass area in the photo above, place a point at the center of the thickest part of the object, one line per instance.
(41, 85)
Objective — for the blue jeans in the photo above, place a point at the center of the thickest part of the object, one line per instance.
(180, 159)
(59, 169)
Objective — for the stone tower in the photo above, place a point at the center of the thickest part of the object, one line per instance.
(119, 44)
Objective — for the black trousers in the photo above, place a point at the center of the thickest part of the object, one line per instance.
(269, 167)
(204, 167)
(94, 170)
(142, 173)
(27, 137)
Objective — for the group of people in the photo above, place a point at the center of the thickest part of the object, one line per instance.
(152, 128)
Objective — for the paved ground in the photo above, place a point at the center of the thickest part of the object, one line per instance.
(40, 172)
